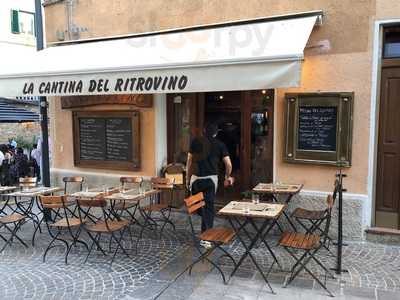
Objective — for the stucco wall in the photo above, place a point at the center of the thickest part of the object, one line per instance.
(344, 65)
(349, 72)
(62, 139)
(387, 9)
(346, 22)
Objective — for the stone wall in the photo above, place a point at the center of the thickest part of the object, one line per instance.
(28, 131)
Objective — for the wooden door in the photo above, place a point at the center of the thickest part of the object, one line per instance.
(388, 167)
(185, 117)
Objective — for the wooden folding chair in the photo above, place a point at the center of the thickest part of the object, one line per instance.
(217, 237)
(63, 221)
(129, 207)
(106, 225)
(310, 244)
(8, 219)
(73, 181)
(311, 220)
(25, 205)
(27, 182)
(158, 205)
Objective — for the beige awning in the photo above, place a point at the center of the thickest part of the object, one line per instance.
(253, 54)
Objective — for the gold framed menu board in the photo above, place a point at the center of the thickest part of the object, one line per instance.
(107, 139)
(319, 128)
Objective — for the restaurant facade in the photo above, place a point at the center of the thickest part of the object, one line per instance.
(268, 72)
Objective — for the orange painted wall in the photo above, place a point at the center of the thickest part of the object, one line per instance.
(62, 145)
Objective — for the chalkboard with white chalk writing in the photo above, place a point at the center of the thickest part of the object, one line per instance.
(107, 139)
(317, 128)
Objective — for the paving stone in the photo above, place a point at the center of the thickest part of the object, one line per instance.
(160, 261)
(365, 293)
(388, 295)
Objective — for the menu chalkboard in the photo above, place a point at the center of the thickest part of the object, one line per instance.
(317, 128)
(105, 139)
(119, 139)
(92, 138)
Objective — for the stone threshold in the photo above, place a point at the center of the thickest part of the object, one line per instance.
(383, 235)
(383, 231)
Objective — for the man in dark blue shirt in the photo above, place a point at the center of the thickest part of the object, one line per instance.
(204, 156)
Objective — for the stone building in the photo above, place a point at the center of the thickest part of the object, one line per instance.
(26, 130)
(352, 53)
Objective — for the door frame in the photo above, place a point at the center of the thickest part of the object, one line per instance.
(370, 209)
(197, 121)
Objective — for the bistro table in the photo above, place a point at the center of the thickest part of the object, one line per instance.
(281, 189)
(115, 196)
(33, 194)
(242, 214)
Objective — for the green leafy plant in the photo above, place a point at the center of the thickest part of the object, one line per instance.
(25, 143)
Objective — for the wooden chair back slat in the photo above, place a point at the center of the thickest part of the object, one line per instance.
(194, 203)
(174, 168)
(194, 208)
(194, 199)
(131, 179)
(92, 203)
(28, 181)
(73, 180)
(78, 179)
(52, 201)
(330, 201)
(162, 181)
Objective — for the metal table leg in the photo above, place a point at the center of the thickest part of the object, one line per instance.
(250, 247)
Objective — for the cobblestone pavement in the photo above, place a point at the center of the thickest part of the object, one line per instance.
(374, 272)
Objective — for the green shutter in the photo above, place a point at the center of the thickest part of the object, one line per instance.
(14, 21)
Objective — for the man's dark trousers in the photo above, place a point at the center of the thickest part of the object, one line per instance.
(207, 187)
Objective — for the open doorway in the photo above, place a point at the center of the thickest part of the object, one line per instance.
(245, 120)
(223, 109)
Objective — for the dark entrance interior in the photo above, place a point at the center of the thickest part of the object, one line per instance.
(245, 120)
(220, 109)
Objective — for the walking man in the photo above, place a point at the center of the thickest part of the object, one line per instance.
(204, 156)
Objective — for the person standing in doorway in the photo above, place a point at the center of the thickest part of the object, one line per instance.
(205, 154)
(36, 158)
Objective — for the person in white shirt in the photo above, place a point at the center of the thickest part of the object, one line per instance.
(1, 157)
(37, 156)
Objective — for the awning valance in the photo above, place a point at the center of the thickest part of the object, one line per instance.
(260, 54)
(10, 113)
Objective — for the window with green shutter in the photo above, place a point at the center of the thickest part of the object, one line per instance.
(14, 21)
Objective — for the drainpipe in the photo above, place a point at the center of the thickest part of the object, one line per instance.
(69, 18)
(42, 100)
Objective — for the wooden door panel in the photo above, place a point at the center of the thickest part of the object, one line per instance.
(388, 174)
(391, 113)
(390, 186)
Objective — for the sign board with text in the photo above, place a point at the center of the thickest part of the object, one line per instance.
(319, 128)
(107, 139)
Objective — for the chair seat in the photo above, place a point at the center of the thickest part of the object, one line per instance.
(112, 226)
(12, 218)
(124, 205)
(156, 207)
(63, 222)
(299, 240)
(302, 213)
(218, 234)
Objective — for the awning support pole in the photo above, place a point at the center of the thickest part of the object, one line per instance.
(42, 100)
